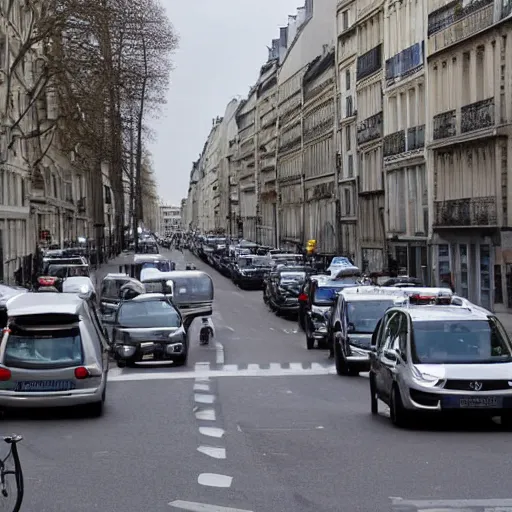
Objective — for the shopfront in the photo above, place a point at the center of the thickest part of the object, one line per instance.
(466, 264)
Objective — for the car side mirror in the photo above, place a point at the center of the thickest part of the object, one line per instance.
(391, 355)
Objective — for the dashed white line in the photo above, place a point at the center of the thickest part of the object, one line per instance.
(213, 451)
(219, 353)
(211, 432)
(204, 399)
(206, 415)
(199, 367)
(230, 328)
(203, 507)
(201, 387)
(214, 480)
(230, 367)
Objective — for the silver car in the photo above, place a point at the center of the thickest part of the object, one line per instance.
(53, 353)
(441, 359)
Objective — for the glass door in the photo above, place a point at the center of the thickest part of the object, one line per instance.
(485, 276)
(444, 266)
(464, 271)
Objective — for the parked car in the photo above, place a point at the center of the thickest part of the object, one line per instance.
(53, 353)
(250, 271)
(282, 289)
(432, 359)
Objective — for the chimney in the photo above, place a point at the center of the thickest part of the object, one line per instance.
(283, 36)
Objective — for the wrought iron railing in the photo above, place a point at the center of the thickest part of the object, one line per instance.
(445, 125)
(369, 63)
(394, 143)
(476, 116)
(370, 129)
(469, 212)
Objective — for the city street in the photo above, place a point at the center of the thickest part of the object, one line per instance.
(255, 422)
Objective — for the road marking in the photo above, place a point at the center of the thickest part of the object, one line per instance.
(214, 480)
(201, 387)
(202, 366)
(203, 507)
(462, 505)
(230, 328)
(213, 451)
(206, 415)
(203, 373)
(211, 432)
(204, 399)
(219, 347)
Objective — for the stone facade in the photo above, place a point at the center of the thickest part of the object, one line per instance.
(393, 141)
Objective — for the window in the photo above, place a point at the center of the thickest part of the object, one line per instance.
(459, 341)
(148, 314)
(363, 316)
(350, 166)
(390, 330)
(345, 19)
(349, 106)
(348, 138)
(347, 79)
(111, 288)
(444, 266)
(348, 205)
(327, 295)
(44, 349)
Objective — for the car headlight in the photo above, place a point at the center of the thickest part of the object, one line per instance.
(126, 350)
(424, 379)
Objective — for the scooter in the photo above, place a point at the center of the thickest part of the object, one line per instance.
(206, 333)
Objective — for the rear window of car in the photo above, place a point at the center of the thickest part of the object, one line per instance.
(148, 314)
(43, 349)
(326, 295)
(111, 287)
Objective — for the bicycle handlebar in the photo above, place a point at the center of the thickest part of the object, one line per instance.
(13, 439)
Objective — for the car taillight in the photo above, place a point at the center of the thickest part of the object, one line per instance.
(81, 372)
(5, 374)
(46, 281)
(303, 297)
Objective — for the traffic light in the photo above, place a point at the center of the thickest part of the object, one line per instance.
(311, 246)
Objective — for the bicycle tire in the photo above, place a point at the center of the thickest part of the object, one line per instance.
(17, 473)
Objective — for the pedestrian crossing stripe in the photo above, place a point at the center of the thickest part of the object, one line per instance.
(226, 370)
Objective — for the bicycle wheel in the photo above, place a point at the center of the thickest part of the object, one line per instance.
(11, 484)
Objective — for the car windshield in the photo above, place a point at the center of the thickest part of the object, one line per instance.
(148, 314)
(326, 295)
(254, 262)
(51, 349)
(292, 277)
(458, 341)
(363, 316)
(111, 288)
(163, 266)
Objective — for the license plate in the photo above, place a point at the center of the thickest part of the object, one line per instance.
(38, 386)
(473, 402)
(147, 357)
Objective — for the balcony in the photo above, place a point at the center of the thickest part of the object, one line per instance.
(402, 141)
(405, 62)
(394, 143)
(470, 212)
(369, 63)
(458, 23)
(445, 125)
(416, 137)
(477, 116)
(370, 129)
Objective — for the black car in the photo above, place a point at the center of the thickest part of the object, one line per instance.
(316, 300)
(282, 289)
(148, 328)
(250, 271)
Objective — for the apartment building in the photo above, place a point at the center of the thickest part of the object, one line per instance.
(370, 125)
(169, 219)
(469, 53)
(405, 176)
(346, 141)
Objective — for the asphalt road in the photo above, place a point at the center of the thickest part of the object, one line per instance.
(255, 423)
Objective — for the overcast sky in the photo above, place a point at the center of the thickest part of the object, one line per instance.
(223, 43)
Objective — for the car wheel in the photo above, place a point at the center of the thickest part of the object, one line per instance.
(121, 363)
(96, 409)
(374, 401)
(181, 360)
(400, 417)
(310, 341)
(342, 367)
(506, 421)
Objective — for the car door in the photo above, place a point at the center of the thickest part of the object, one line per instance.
(391, 349)
(380, 364)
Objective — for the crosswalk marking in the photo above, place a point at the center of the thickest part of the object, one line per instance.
(203, 371)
